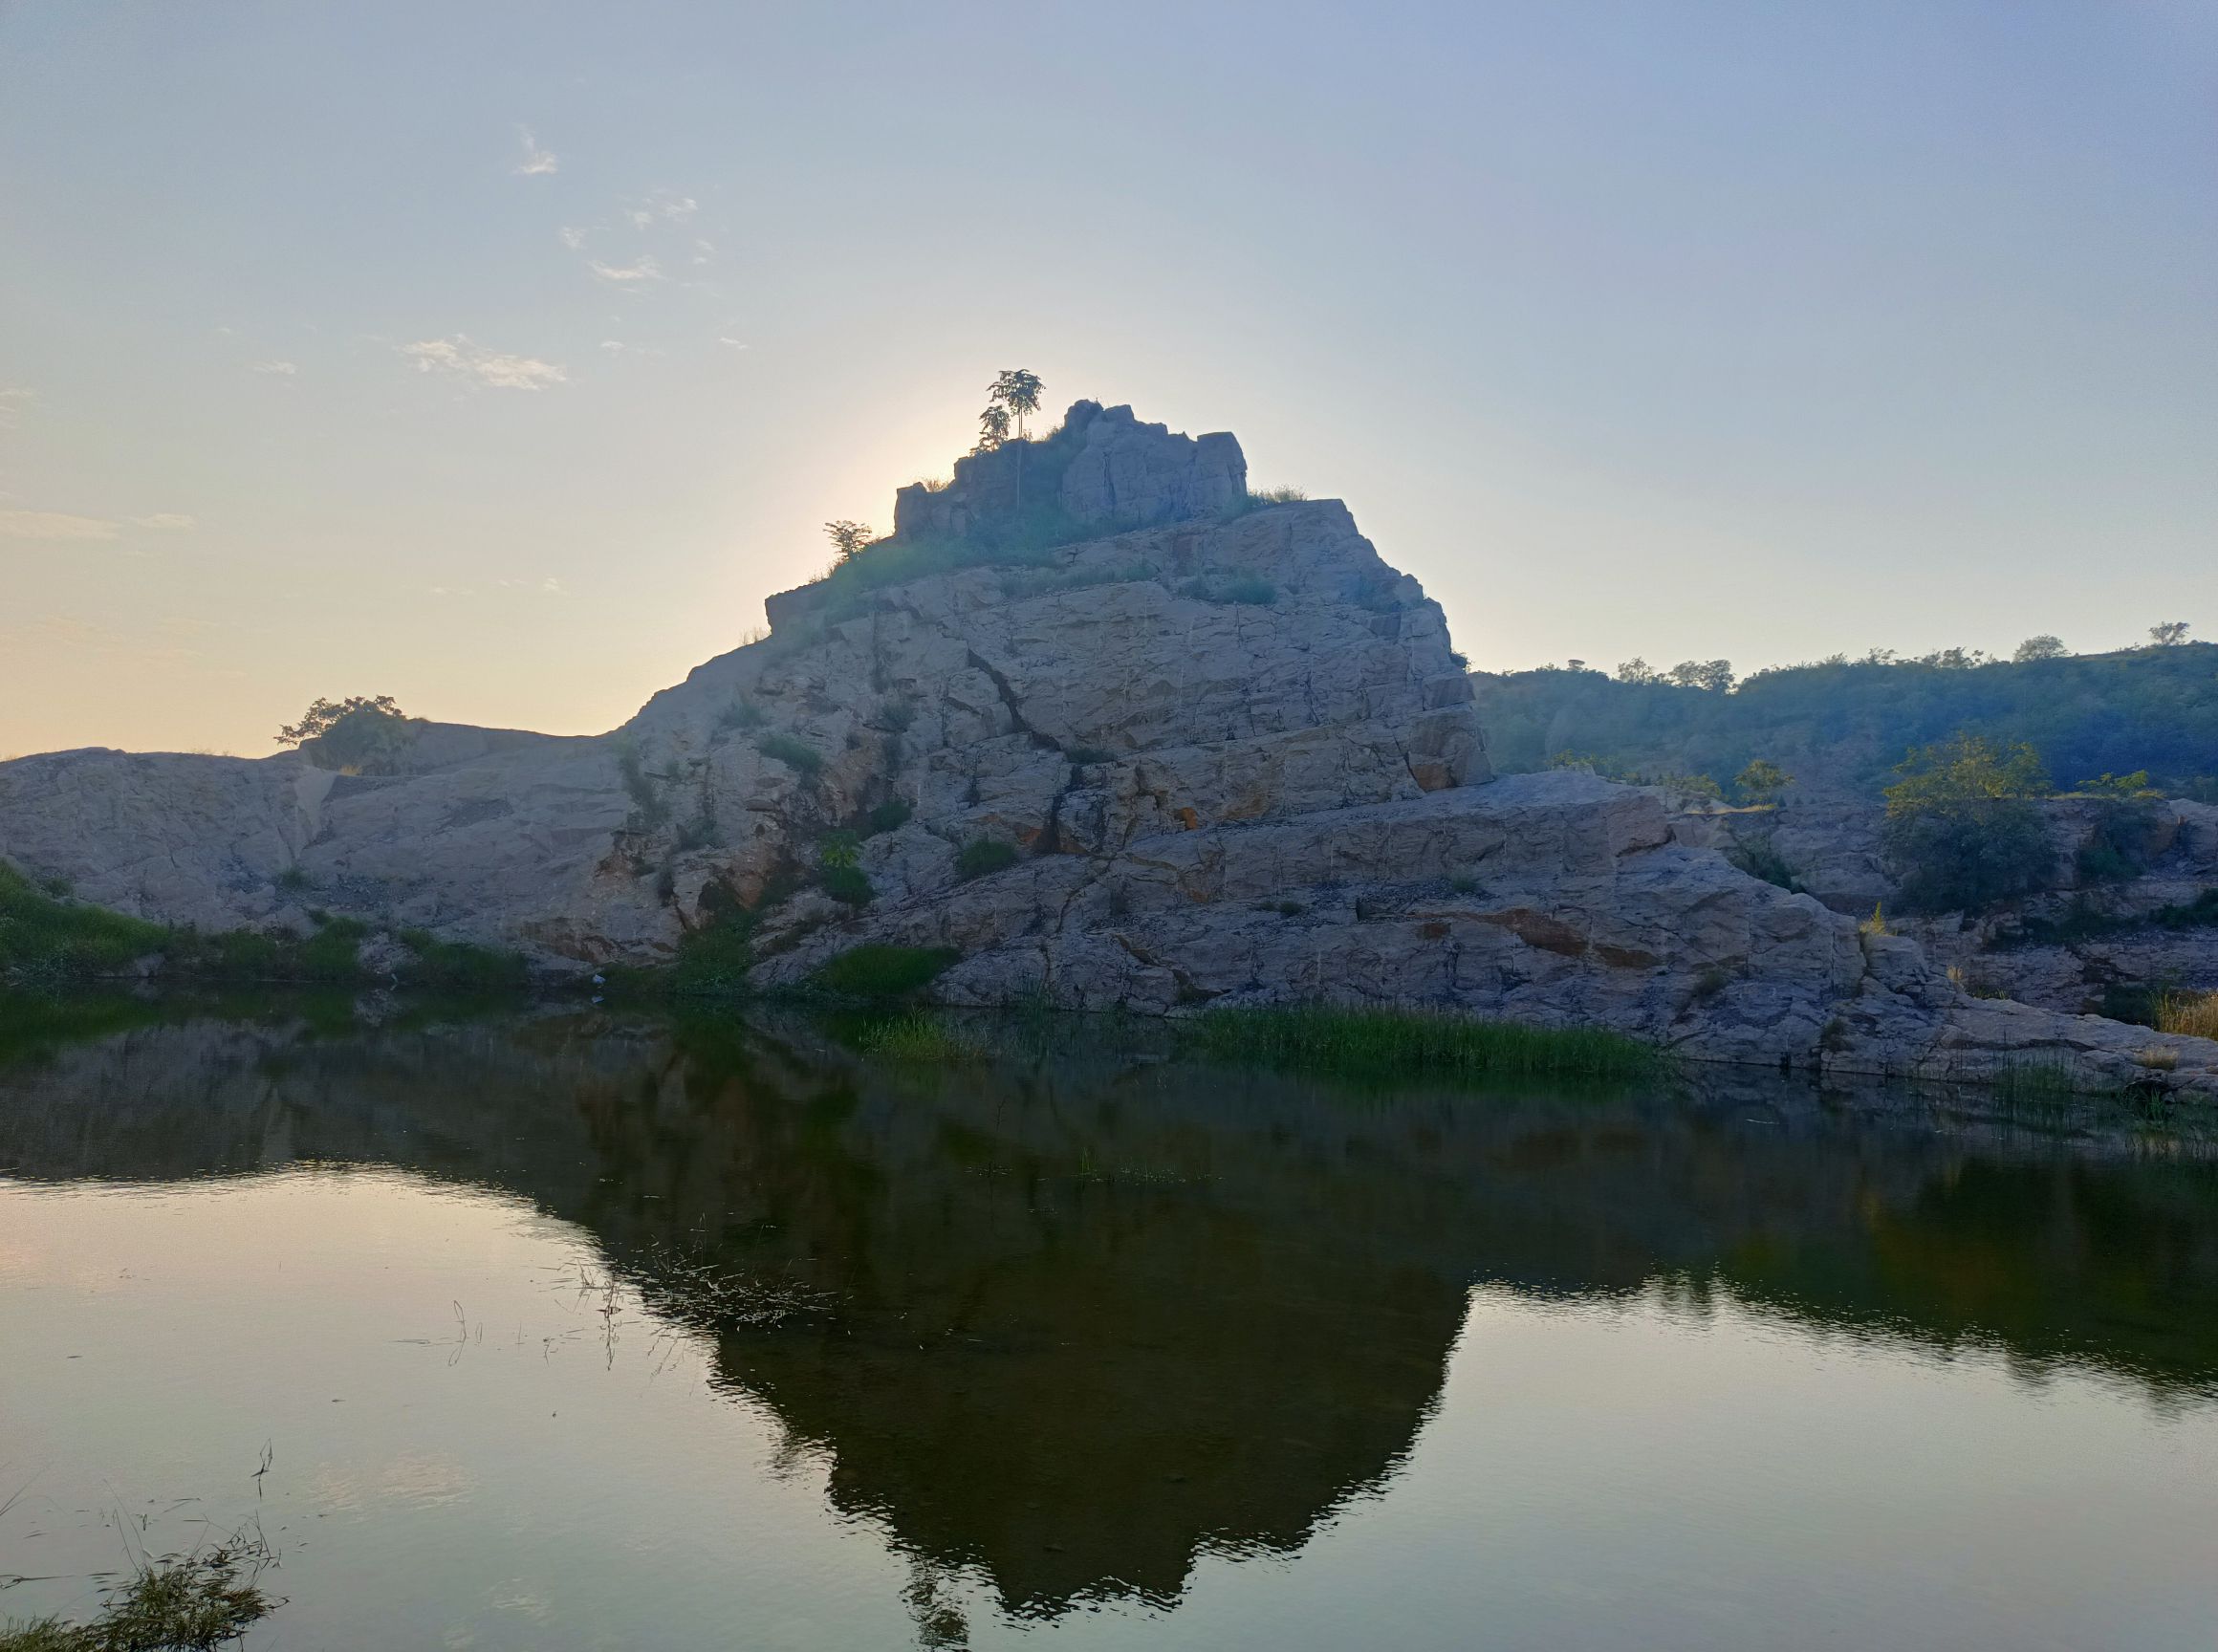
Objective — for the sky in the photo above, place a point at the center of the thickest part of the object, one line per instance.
(502, 358)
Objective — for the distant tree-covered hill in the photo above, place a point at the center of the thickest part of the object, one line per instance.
(1847, 722)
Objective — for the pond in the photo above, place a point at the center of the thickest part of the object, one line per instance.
(570, 1330)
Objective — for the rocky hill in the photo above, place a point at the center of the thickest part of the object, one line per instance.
(1103, 727)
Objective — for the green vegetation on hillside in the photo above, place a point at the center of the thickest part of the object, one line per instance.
(1965, 828)
(2154, 709)
(45, 936)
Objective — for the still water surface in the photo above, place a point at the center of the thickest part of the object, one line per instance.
(565, 1332)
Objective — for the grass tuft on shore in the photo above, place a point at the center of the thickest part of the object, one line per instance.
(918, 1039)
(1413, 1044)
(45, 936)
(2192, 1015)
(185, 1603)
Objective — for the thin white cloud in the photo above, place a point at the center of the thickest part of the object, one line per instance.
(168, 521)
(53, 525)
(464, 359)
(733, 342)
(553, 586)
(13, 401)
(537, 162)
(624, 275)
(276, 369)
(573, 237)
(662, 204)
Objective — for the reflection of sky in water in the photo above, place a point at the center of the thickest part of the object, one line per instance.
(651, 1348)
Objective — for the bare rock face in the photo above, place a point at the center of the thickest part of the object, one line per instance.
(1206, 750)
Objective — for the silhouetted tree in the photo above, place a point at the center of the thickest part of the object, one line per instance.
(2041, 647)
(849, 538)
(2170, 634)
(993, 428)
(350, 732)
(1018, 391)
(325, 715)
(1712, 674)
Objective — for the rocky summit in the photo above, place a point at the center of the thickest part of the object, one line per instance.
(1108, 730)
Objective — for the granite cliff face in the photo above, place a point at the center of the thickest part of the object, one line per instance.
(1225, 750)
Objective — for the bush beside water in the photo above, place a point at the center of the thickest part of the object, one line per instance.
(879, 971)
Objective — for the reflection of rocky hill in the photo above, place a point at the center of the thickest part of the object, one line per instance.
(1079, 1322)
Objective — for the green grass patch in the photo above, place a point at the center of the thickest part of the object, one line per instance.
(333, 952)
(2039, 1079)
(653, 809)
(890, 815)
(181, 1603)
(986, 855)
(880, 972)
(1758, 858)
(797, 754)
(918, 1038)
(713, 959)
(45, 938)
(742, 716)
(1413, 1044)
(849, 885)
(330, 956)
(48, 944)
(462, 967)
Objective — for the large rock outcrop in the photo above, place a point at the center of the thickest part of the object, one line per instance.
(1225, 751)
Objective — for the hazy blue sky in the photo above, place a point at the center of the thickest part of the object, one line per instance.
(502, 356)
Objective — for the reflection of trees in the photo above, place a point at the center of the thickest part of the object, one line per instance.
(1067, 1325)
